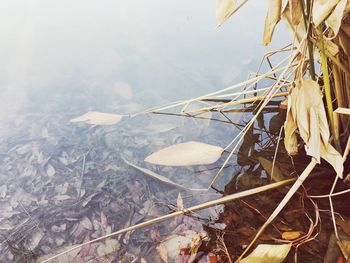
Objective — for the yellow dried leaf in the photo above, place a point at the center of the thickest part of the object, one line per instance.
(307, 112)
(290, 126)
(291, 235)
(344, 248)
(224, 9)
(188, 153)
(335, 19)
(321, 10)
(296, 11)
(298, 30)
(271, 20)
(268, 254)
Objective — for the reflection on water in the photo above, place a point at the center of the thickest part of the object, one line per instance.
(63, 183)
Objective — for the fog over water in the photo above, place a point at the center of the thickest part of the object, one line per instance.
(103, 55)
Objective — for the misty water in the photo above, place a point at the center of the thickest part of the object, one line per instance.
(64, 183)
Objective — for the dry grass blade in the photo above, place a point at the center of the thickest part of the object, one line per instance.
(271, 20)
(177, 213)
(162, 178)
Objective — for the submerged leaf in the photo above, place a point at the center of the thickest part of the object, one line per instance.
(321, 10)
(188, 153)
(224, 9)
(273, 170)
(268, 254)
(98, 118)
(180, 202)
(271, 20)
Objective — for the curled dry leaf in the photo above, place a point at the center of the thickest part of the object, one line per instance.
(291, 235)
(188, 153)
(268, 254)
(321, 10)
(306, 113)
(335, 19)
(271, 20)
(98, 118)
(224, 9)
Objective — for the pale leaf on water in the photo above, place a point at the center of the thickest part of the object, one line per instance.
(98, 118)
(180, 202)
(268, 254)
(272, 18)
(224, 9)
(336, 17)
(321, 10)
(184, 154)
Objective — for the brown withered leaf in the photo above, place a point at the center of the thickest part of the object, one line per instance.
(344, 248)
(272, 18)
(224, 9)
(321, 10)
(296, 11)
(345, 226)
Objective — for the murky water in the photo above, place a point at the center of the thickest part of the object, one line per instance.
(64, 183)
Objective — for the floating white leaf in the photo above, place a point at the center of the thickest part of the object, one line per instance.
(224, 9)
(188, 153)
(321, 10)
(98, 118)
(268, 254)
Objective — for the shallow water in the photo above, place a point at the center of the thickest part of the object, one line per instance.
(64, 183)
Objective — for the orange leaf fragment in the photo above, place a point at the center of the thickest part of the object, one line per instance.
(291, 235)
